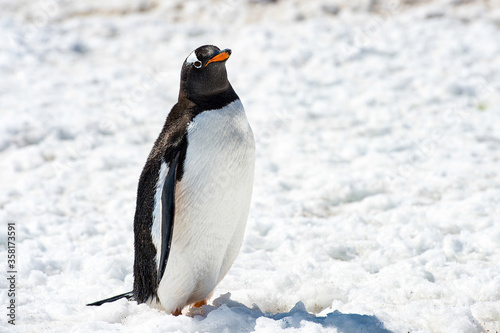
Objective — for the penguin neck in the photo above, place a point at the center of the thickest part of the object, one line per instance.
(211, 101)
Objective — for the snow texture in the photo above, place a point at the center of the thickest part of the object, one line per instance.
(377, 185)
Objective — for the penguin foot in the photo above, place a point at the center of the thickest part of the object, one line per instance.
(196, 308)
(177, 312)
(200, 303)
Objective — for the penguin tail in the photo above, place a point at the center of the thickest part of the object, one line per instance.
(129, 296)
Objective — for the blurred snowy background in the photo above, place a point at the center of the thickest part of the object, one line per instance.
(377, 187)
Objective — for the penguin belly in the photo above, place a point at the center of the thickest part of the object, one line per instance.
(212, 203)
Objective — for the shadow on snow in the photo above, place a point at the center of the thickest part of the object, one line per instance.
(227, 314)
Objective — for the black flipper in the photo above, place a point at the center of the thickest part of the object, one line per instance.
(128, 296)
(168, 211)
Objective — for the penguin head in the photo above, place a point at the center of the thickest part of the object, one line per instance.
(203, 73)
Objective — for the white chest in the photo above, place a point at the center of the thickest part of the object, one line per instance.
(220, 151)
(217, 184)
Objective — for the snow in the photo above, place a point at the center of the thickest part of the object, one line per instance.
(377, 187)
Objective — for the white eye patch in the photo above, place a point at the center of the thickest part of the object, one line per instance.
(192, 58)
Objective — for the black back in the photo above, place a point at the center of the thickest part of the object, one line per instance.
(201, 89)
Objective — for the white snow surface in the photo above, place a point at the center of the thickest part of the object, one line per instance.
(377, 185)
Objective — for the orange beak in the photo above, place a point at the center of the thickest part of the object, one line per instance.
(223, 55)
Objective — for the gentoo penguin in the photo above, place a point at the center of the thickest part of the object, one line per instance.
(194, 192)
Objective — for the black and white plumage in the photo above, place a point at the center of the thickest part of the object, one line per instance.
(194, 192)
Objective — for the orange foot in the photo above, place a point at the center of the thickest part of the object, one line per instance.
(177, 312)
(203, 302)
(200, 303)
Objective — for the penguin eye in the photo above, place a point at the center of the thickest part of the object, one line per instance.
(197, 64)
